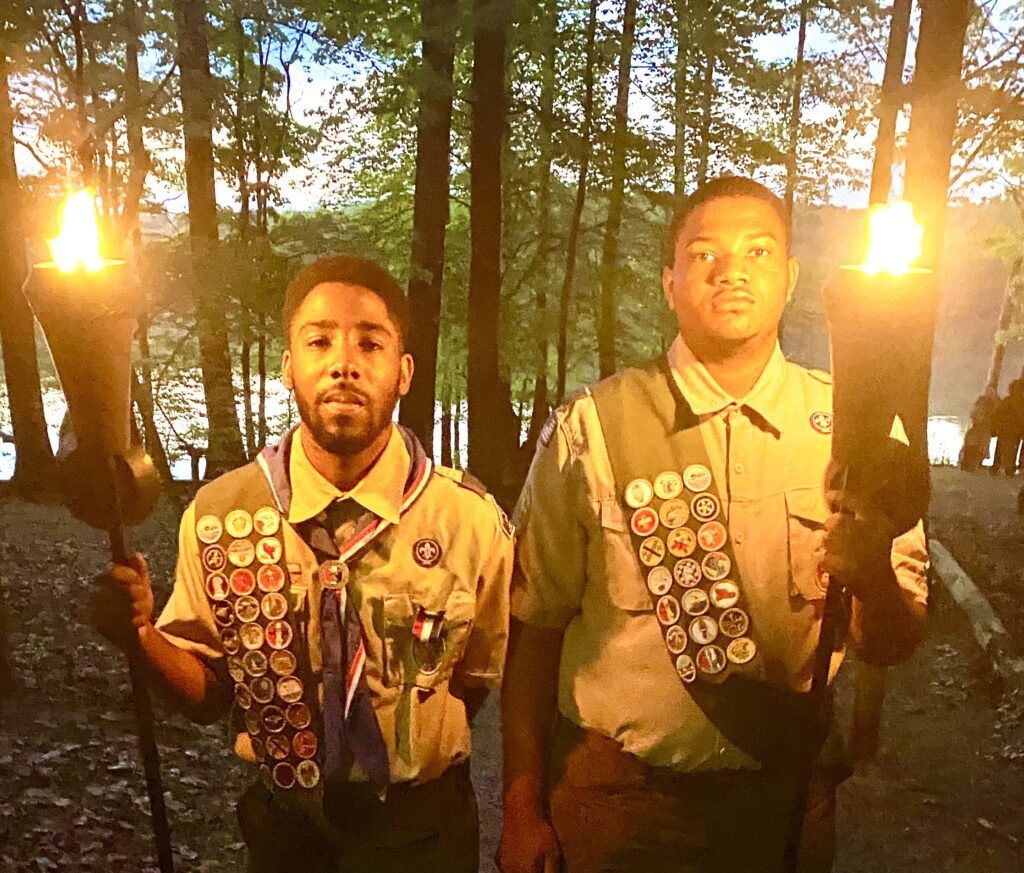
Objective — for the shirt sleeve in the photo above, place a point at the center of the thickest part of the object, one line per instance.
(910, 561)
(187, 619)
(550, 568)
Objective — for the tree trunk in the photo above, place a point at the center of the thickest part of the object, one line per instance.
(142, 394)
(491, 440)
(34, 467)
(138, 158)
(890, 101)
(795, 108)
(707, 106)
(1013, 293)
(246, 360)
(261, 375)
(446, 430)
(607, 329)
(572, 243)
(680, 105)
(937, 86)
(430, 210)
(225, 440)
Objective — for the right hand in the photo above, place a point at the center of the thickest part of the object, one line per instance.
(528, 845)
(122, 602)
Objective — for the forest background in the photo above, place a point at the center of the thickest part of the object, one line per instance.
(513, 163)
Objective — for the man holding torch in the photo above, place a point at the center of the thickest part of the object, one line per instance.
(349, 598)
(676, 544)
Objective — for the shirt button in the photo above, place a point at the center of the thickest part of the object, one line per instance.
(739, 537)
(739, 468)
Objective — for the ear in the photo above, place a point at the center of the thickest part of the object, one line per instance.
(286, 370)
(406, 366)
(794, 274)
(666, 287)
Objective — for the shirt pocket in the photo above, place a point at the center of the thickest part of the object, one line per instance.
(625, 585)
(806, 513)
(409, 662)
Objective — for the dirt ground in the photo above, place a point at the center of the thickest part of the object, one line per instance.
(946, 793)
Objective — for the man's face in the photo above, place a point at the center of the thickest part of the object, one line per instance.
(345, 363)
(731, 275)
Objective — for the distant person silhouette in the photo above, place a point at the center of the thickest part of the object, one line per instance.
(979, 432)
(1008, 426)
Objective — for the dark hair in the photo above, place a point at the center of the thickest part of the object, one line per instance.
(723, 186)
(352, 271)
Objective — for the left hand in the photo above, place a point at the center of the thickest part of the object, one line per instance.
(858, 544)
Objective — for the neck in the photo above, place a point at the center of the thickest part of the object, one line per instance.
(344, 472)
(737, 368)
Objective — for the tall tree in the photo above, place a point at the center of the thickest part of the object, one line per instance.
(679, 97)
(607, 330)
(225, 440)
(430, 208)
(796, 106)
(890, 101)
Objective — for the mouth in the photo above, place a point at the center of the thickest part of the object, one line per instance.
(733, 299)
(343, 401)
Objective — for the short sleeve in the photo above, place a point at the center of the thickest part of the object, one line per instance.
(187, 620)
(910, 562)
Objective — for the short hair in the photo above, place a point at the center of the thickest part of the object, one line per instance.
(350, 270)
(723, 186)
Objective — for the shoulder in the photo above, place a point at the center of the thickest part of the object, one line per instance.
(228, 485)
(464, 493)
(815, 385)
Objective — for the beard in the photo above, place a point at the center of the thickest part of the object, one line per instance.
(347, 434)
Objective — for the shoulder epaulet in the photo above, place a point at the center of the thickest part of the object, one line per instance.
(822, 376)
(461, 477)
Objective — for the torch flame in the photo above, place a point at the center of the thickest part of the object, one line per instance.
(78, 243)
(895, 240)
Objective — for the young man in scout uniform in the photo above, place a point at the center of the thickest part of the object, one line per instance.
(674, 543)
(347, 595)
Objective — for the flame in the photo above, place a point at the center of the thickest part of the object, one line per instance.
(895, 240)
(78, 243)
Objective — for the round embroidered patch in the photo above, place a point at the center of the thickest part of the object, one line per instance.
(426, 552)
(821, 422)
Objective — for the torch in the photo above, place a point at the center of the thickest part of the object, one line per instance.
(87, 307)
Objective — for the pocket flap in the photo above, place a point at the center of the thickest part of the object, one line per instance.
(807, 504)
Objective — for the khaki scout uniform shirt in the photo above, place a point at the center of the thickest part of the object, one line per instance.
(576, 568)
(424, 727)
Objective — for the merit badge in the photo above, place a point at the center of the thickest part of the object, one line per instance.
(703, 630)
(238, 523)
(644, 521)
(268, 550)
(217, 586)
(266, 521)
(638, 493)
(668, 610)
(307, 774)
(695, 602)
(259, 750)
(734, 622)
(697, 477)
(229, 637)
(712, 536)
(427, 625)
(262, 689)
(705, 507)
(711, 660)
(821, 422)
(272, 719)
(659, 581)
(254, 664)
(270, 577)
(289, 689)
(299, 716)
(652, 550)
(716, 565)
(279, 634)
(240, 553)
(209, 529)
(675, 639)
(252, 636)
(284, 775)
(243, 696)
(223, 614)
(253, 724)
(668, 484)
(304, 744)
(214, 558)
(278, 747)
(274, 606)
(266, 777)
(681, 542)
(686, 669)
(725, 594)
(235, 669)
(674, 513)
(741, 651)
(333, 574)
(247, 609)
(426, 552)
(282, 662)
(687, 572)
(243, 582)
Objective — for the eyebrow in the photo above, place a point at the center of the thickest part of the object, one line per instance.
(749, 237)
(365, 326)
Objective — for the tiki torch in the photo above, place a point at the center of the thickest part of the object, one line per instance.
(87, 306)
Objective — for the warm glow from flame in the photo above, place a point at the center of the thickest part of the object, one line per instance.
(895, 239)
(78, 243)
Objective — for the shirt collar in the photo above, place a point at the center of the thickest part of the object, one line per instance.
(379, 491)
(707, 397)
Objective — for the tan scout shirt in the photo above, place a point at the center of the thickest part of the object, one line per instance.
(424, 726)
(576, 567)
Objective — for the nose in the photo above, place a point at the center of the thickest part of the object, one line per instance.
(730, 269)
(344, 364)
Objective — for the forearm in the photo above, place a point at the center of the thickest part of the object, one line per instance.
(887, 626)
(528, 705)
(181, 677)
